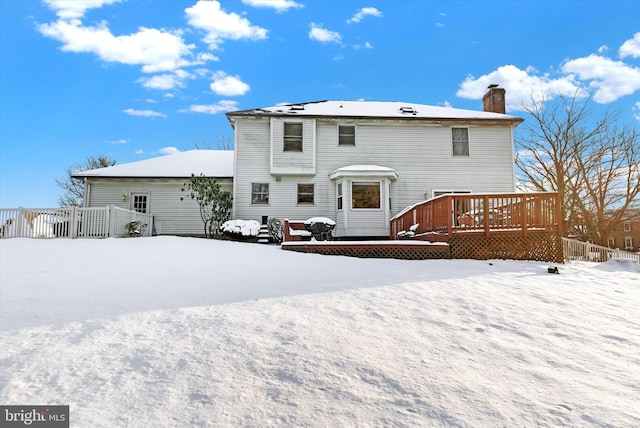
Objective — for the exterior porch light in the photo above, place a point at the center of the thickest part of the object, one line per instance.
(124, 197)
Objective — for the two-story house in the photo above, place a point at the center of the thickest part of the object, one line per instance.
(361, 162)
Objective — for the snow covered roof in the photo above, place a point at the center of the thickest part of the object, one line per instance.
(373, 109)
(212, 163)
(364, 170)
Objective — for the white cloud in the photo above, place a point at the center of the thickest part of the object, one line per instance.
(229, 86)
(139, 152)
(220, 25)
(120, 141)
(631, 47)
(168, 150)
(162, 82)
(154, 49)
(366, 45)
(604, 79)
(521, 86)
(70, 9)
(143, 113)
(221, 107)
(609, 79)
(439, 24)
(279, 5)
(362, 13)
(636, 111)
(323, 35)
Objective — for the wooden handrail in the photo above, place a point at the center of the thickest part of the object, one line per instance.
(481, 213)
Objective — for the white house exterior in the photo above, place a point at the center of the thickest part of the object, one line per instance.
(153, 186)
(361, 162)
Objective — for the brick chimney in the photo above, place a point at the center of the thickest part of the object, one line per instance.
(494, 100)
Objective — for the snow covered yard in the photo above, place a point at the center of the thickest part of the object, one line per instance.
(171, 331)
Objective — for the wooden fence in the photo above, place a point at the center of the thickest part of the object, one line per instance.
(70, 222)
(585, 251)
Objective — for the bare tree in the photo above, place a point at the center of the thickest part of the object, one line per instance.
(74, 187)
(607, 185)
(585, 159)
(223, 142)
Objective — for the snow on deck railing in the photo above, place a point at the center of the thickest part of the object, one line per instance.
(586, 251)
(69, 222)
(482, 213)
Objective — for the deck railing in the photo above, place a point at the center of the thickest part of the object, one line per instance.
(486, 214)
(71, 222)
(586, 251)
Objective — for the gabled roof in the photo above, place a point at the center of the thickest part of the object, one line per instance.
(373, 109)
(211, 163)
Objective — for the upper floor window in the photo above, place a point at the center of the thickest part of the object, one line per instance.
(460, 139)
(292, 139)
(259, 193)
(346, 135)
(627, 226)
(365, 195)
(305, 193)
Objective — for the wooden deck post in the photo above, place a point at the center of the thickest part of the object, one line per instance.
(486, 215)
(525, 217)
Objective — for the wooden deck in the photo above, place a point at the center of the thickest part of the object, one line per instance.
(480, 214)
(405, 250)
(521, 226)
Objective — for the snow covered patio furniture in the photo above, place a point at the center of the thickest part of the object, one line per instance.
(321, 228)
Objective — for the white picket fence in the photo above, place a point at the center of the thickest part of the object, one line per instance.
(585, 251)
(71, 222)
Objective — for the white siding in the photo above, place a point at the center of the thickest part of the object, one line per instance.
(421, 155)
(293, 163)
(171, 215)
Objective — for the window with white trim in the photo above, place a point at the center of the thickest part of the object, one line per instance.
(460, 141)
(339, 196)
(628, 242)
(140, 202)
(292, 137)
(627, 226)
(346, 135)
(611, 243)
(305, 194)
(259, 193)
(365, 195)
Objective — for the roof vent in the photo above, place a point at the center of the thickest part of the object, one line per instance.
(297, 107)
(408, 110)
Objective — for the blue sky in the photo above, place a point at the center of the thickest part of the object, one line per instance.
(138, 79)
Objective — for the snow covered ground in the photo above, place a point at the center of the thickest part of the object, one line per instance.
(169, 331)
